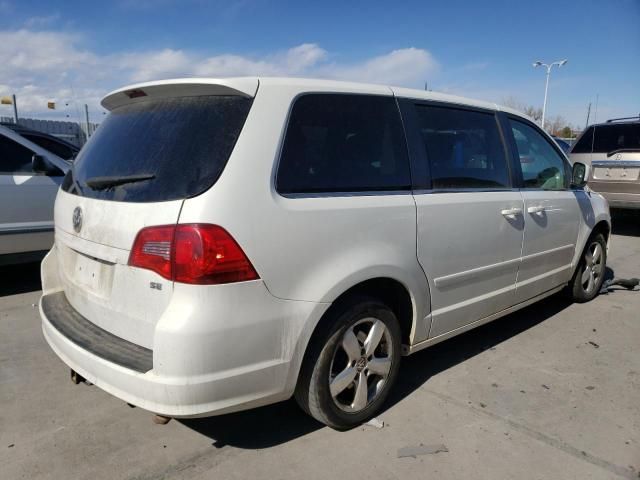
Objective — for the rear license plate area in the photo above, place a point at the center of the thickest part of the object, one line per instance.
(616, 173)
(92, 274)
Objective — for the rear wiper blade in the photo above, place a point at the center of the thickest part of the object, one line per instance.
(622, 150)
(102, 183)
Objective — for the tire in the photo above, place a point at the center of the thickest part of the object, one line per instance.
(346, 344)
(589, 276)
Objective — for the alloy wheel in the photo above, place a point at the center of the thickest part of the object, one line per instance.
(594, 268)
(361, 365)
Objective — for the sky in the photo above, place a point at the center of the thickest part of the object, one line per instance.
(75, 52)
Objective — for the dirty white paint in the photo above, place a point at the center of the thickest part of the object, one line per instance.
(221, 348)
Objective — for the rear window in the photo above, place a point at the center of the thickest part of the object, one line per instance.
(343, 143)
(168, 149)
(608, 138)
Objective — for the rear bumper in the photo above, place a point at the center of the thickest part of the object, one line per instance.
(622, 200)
(619, 194)
(80, 331)
(232, 351)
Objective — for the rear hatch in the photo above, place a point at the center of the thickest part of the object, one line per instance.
(160, 144)
(613, 150)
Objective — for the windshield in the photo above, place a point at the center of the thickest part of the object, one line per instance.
(180, 145)
(609, 137)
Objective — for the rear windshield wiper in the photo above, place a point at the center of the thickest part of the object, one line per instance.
(102, 183)
(623, 150)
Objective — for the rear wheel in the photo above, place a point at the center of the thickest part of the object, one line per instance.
(351, 364)
(589, 276)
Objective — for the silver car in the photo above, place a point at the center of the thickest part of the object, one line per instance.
(29, 179)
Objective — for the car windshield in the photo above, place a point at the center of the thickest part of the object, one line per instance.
(179, 145)
(609, 138)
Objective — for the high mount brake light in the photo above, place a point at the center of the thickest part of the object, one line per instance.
(196, 253)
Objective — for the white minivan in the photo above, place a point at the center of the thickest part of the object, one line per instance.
(225, 244)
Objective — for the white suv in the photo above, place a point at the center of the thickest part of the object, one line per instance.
(224, 244)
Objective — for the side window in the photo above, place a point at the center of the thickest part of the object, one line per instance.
(542, 166)
(14, 158)
(464, 148)
(343, 143)
(57, 148)
(585, 143)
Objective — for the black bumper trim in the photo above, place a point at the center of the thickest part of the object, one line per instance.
(66, 320)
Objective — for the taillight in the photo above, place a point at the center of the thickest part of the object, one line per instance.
(192, 253)
(152, 250)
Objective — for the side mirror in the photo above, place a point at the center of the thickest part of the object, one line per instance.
(40, 164)
(579, 175)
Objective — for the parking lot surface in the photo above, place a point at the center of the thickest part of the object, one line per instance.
(550, 392)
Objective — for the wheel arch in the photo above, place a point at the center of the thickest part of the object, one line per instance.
(603, 226)
(390, 291)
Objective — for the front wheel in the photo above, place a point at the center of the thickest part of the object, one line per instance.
(351, 364)
(589, 276)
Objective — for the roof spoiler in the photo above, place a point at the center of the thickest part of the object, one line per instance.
(188, 87)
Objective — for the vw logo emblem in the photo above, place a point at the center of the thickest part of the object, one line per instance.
(618, 156)
(77, 219)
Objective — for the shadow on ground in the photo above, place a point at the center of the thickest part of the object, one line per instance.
(625, 222)
(276, 424)
(21, 278)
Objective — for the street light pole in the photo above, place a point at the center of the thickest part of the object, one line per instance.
(546, 85)
(15, 109)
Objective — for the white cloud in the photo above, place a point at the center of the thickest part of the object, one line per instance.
(298, 60)
(152, 65)
(27, 53)
(408, 66)
(40, 65)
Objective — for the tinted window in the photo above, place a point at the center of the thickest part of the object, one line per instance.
(183, 143)
(51, 145)
(463, 147)
(562, 144)
(608, 138)
(14, 158)
(542, 166)
(343, 143)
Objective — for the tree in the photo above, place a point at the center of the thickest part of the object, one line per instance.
(566, 132)
(531, 111)
(554, 125)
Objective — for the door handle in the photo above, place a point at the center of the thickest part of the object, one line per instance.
(537, 209)
(511, 212)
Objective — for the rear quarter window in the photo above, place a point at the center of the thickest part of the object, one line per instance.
(343, 143)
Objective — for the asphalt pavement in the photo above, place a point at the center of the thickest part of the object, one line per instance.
(549, 392)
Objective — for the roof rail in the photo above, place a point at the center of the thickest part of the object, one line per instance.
(623, 119)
